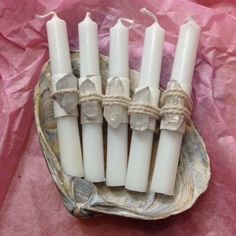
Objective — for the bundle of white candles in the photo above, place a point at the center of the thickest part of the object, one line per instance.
(131, 171)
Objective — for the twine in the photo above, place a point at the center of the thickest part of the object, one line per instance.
(177, 92)
(110, 100)
(140, 108)
(92, 97)
(64, 91)
(176, 109)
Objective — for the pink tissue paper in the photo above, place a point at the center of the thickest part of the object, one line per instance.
(30, 203)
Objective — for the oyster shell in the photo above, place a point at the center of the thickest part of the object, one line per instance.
(83, 198)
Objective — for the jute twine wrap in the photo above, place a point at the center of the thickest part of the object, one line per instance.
(140, 108)
(64, 91)
(110, 100)
(176, 109)
(92, 97)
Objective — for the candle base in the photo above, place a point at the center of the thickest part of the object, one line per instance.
(93, 152)
(166, 165)
(139, 160)
(69, 146)
(117, 152)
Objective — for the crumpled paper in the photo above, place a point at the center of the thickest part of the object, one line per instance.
(32, 204)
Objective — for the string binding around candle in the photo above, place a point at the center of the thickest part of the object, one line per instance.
(110, 100)
(177, 109)
(177, 92)
(145, 109)
(64, 91)
(92, 97)
(62, 88)
(66, 107)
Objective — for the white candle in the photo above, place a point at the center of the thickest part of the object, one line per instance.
(167, 158)
(67, 126)
(119, 49)
(117, 138)
(141, 142)
(92, 132)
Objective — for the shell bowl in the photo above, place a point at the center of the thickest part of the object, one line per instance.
(84, 199)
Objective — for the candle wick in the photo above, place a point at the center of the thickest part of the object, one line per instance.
(88, 14)
(129, 21)
(189, 18)
(148, 13)
(51, 13)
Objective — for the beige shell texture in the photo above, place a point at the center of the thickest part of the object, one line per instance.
(83, 198)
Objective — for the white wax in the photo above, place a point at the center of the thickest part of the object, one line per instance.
(91, 133)
(69, 146)
(93, 152)
(141, 141)
(163, 180)
(152, 56)
(117, 152)
(67, 127)
(88, 46)
(119, 50)
(117, 138)
(185, 55)
(139, 160)
(167, 158)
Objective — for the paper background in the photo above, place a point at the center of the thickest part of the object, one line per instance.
(32, 205)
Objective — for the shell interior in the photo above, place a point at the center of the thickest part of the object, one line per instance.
(83, 198)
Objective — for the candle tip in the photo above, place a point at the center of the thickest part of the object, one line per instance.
(129, 21)
(51, 13)
(145, 11)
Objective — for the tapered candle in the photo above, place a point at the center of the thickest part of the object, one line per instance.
(67, 126)
(167, 158)
(117, 138)
(92, 138)
(141, 141)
